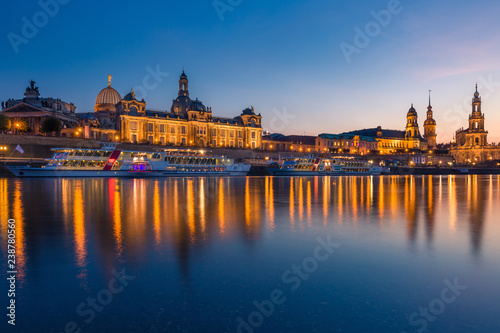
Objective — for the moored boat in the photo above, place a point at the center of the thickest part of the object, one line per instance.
(111, 162)
(310, 166)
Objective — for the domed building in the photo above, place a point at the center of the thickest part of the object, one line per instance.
(107, 99)
(187, 123)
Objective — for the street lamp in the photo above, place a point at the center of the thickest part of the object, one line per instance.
(3, 149)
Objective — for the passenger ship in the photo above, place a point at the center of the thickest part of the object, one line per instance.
(309, 166)
(110, 162)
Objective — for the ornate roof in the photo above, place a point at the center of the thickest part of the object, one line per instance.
(197, 105)
(108, 96)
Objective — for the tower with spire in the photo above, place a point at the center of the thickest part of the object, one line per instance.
(181, 104)
(430, 127)
(476, 118)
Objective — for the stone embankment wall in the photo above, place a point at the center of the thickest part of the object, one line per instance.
(39, 147)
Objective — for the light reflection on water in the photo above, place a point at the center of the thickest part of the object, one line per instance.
(84, 228)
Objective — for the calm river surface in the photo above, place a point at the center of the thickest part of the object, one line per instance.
(303, 254)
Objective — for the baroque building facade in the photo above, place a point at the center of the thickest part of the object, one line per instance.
(396, 141)
(470, 145)
(187, 123)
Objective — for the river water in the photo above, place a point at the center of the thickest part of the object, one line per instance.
(263, 254)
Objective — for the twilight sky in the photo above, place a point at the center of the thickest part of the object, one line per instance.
(301, 64)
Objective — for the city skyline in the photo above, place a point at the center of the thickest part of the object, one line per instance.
(419, 49)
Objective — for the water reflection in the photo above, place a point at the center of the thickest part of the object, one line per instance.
(118, 219)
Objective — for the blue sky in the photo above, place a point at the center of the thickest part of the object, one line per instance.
(282, 57)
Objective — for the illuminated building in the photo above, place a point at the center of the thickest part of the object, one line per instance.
(394, 141)
(188, 123)
(471, 144)
(295, 143)
(346, 143)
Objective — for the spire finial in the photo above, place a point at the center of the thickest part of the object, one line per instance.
(109, 80)
(476, 87)
(430, 97)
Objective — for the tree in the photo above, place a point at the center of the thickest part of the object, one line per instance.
(51, 124)
(5, 123)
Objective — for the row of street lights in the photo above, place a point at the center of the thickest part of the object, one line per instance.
(3, 150)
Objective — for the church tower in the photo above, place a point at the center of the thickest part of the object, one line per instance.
(476, 123)
(181, 104)
(412, 135)
(183, 85)
(430, 127)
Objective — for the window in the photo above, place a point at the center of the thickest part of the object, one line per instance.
(231, 144)
(172, 139)
(133, 126)
(162, 140)
(240, 134)
(172, 129)
(240, 144)
(183, 141)
(231, 134)
(183, 129)
(253, 145)
(214, 143)
(162, 128)
(151, 127)
(150, 139)
(223, 132)
(214, 132)
(253, 135)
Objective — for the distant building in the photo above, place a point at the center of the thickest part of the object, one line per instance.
(471, 144)
(296, 143)
(346, 143)
(33, 109)
(188, 123)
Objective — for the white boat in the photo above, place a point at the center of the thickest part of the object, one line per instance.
(110, 162)
(310, 166)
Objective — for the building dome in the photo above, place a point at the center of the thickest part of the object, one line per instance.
(197, 105)
(412, 111)
(108, 96)
(107, 99)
